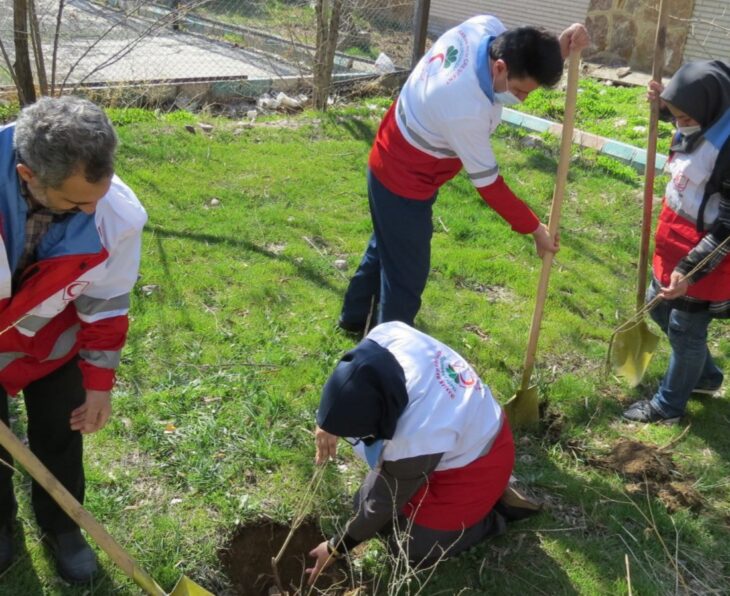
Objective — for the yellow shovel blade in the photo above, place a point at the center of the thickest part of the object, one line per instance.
(187, 587)
(523, 409)
(631, 352)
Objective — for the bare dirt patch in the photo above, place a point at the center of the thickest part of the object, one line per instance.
(552, 424)
(639, 461)
(674, 495)
(247, 560)
(493, 293)
(651, 470)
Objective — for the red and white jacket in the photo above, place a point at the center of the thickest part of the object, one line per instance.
(443, 120)
(74, 299)
(678, 243)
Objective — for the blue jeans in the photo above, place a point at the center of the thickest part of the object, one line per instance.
(690, 366)
(397, 260)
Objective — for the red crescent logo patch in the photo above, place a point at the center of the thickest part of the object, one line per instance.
(71, 292)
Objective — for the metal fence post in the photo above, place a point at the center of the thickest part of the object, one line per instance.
(420, 29)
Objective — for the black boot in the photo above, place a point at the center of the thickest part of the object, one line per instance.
(6, 546)
(75, 560)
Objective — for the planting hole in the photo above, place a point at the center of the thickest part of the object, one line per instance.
(247, 560)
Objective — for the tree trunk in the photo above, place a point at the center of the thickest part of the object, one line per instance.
(23, 72)
(325, 50)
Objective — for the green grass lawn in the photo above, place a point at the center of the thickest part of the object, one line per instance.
(232, 336)
(619, 113)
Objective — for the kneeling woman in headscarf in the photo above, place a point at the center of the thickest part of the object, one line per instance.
(438, 445)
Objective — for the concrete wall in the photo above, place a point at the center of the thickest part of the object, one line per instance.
(623, 32)
(554, 15)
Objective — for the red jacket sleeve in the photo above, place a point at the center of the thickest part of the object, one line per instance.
(101, 345)
(513, 210)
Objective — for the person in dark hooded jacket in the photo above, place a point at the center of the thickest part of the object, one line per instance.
(694, 225)
(437, 442)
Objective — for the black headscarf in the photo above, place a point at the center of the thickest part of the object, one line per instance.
(365, 395)
(702, 91)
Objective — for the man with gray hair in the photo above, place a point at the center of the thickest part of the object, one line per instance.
(69, 257)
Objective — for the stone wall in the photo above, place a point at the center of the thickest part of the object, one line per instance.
(623, 32)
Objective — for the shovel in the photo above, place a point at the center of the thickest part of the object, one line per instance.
(523, 408)
(632, 347)
(41, 474)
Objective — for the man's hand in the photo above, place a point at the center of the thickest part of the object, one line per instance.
(94, 413)
(543, 242)
(323, 560)
(574, 37)
(677, 287)
(326, 446)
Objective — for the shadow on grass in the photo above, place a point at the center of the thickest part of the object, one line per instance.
(306, 271)
(710, 422)
(580, 544)
(172, 295)
(585, 246)
(21, 578)
(511, 564)
(358, 129)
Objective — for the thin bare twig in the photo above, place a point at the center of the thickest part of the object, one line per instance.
(652, 523)
(9, 64)
(322, 254)
(37, 45)
(54, 59)
(676, 440)
(299, 516)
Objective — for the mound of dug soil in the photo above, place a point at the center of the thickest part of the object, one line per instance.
(674, 495)
(247, 559)
(637, 460)
(650, 470)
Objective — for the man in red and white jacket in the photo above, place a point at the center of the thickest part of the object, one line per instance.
(69, 257)
(442, 121)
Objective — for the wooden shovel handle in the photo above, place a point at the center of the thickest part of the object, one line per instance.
(566, 144)
(656, 75)
(73, 508)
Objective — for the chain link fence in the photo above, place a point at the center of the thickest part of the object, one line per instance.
(239, 46)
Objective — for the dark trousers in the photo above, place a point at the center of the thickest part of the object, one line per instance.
(49, 403)
(426, 546)
(397, 259)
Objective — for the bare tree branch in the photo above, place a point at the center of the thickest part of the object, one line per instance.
(9, 64)
(54, 59)
(35, 37)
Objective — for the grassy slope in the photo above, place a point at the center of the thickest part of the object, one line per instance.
(228, 351)
(614, 112)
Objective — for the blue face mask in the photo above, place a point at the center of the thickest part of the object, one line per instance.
(506, 98)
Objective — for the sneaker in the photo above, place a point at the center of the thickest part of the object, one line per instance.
(6, 546)
(514, 505)
(75, 560)
(707, 390)
(643, 411)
